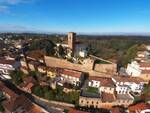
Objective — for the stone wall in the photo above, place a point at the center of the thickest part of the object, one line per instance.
(56, 62)
(106, 68)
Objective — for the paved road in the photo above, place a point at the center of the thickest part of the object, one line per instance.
(51, 108)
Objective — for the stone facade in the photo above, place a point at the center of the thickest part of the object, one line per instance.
(106, 68)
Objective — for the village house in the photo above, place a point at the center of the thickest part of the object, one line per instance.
(125, 85)
(72, 77)
(106, 95)
(87, 99)
(42, 69)
(139, 108)
(28, 83)
(72, 110)
(7, 66)
(124, 100)
(139, 69)
(117, 110)
(102, 83)
(142, 56)
(15, 103)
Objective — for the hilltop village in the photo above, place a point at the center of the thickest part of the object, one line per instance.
(66, 78)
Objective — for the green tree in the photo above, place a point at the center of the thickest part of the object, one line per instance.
(61, 51)
(38, 91)
(17, 77)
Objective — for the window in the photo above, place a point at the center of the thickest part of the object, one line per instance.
(92, 102)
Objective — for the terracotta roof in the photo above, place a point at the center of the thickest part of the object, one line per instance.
(107, 97)
(139, 107)
(29, 79)
(71, 110)
(145, 71)
(7, 90)
(103, 81)
(124, 97)
(10, 62)
(129, 79)
(116, 110)
(23, 102)
(29, 86)
(144, 64)
(73, 73)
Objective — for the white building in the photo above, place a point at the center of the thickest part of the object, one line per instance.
(6, 66)
(72, 77)
(133, 69)
(128, 84)
(141, 69)
(103, 84)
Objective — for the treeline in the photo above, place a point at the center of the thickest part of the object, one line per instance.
(120, 49)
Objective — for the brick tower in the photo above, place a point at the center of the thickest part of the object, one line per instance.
(71, 41)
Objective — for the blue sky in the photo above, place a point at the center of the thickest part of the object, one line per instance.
(85, 16)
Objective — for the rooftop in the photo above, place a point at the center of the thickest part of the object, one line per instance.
(128, 79)
(21, 102)
(73, 73)
(116, 110)
(107, 97)
(139, 107)
(4, 61)
(103, 81)
(124, 97)
(144, 64)
(85, 93)
(71, 110)
(7, 90)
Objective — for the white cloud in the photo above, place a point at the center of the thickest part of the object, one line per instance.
(12, 2)
(6, 4)
(4, 9)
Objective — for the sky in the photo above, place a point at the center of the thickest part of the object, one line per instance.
(83, 16)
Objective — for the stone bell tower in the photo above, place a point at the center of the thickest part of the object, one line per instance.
(71, 41)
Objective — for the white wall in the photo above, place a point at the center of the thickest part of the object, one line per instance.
(94, 83)
(133, 69)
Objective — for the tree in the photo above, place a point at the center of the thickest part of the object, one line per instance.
(38, 91)
(46, 45)
(17, 77)
(61, 51)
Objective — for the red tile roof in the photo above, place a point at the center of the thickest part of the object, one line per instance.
(129, 79)
(103, 81)
(144, 64)
(107, 97)
(7, 90)
(23, 102)
(145, 71)
(71, 110)
(10, 62)
(29, 79)
(139, 107)
(116, 110)
(73, 73)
